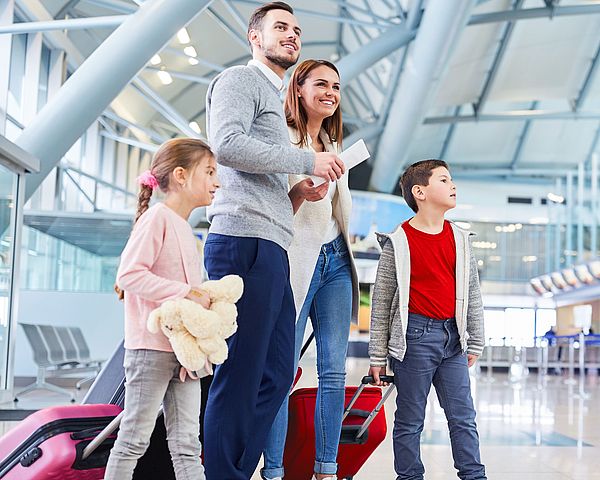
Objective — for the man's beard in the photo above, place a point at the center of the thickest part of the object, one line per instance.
(280, 61)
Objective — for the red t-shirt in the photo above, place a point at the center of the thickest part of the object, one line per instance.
(432, 272)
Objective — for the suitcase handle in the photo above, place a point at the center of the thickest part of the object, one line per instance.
(365, 381)
(384, 378)
(103, 435)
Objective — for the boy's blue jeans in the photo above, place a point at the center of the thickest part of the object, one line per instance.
(329, 302)
(434, 356)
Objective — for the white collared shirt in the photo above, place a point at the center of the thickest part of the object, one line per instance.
(270, 74)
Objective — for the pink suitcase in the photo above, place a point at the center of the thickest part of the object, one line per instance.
(49, 444)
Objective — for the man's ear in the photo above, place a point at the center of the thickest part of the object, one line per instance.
(254, 38)
(418, 192)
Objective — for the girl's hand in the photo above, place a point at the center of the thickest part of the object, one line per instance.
(199, 296)
(183, 372)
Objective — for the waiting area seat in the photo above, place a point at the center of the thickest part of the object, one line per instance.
(58, 352)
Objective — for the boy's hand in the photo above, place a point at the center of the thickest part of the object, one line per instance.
(376, 373)
(471, 359)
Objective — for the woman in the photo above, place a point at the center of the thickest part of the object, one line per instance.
(322, 271)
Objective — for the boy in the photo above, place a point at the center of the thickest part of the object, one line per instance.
(428, 317)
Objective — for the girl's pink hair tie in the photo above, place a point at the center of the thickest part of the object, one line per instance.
(148, 180)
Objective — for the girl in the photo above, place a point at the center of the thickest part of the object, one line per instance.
(161, 262)
(322, 271)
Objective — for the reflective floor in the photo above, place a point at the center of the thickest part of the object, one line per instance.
(530, 429)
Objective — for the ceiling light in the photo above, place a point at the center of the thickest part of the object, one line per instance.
(165, 77)
(155, 60)
(183, 36)
(190, 51)
(193, 61)
(195, 127)
(539, 220)
(555, 198)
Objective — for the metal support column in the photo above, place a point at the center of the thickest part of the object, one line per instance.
(6, 18)
(594, 206)
(580, 201)
(74, 108)
(569, 220)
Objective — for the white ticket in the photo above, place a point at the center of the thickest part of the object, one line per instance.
(351, 157)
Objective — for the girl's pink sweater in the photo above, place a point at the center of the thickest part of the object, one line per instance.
(160, 262)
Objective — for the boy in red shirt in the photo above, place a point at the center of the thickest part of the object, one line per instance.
(427, 316)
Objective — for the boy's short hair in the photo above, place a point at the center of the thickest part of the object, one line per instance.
(418, 174)
(258, 15)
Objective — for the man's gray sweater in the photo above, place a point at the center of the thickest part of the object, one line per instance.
(248, 133)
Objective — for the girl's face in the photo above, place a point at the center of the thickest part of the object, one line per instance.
(320, 93)
(202, 182)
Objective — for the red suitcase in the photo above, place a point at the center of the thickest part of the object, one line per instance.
(49, 444)
(363, 429)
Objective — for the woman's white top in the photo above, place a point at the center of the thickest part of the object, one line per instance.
(316, 223)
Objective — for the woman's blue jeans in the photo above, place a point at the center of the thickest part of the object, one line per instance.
(329, 303)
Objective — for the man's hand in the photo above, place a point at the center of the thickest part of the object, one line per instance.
(376, 373)
(328, 166)
(471, 359)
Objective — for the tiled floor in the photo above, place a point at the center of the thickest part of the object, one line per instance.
(529, 430)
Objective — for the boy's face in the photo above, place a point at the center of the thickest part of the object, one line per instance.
(441, 191)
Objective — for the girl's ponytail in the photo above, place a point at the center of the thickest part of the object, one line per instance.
(143, 202)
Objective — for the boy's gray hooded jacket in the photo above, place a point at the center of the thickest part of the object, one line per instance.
(389, 311)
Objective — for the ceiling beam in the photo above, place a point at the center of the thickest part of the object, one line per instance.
(69, 24)
(529, 13)
(522, 139)
(500, 52)
(512, 116)
(589, 80)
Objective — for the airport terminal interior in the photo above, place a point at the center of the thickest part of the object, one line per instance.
(507, 92)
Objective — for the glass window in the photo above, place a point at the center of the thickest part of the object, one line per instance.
(44, 73)
(545, 320)
(520, 326)
(16, 76)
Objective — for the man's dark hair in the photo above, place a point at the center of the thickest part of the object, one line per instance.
(418, 174)
(258, 15)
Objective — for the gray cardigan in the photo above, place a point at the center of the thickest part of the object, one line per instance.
(248, 133)
(389, 310)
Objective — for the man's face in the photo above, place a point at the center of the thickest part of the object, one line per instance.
(278, 41)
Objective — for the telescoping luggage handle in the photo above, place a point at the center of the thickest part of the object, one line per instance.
(105, 433)
(365, 381)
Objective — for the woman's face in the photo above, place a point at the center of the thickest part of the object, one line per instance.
(320, 93)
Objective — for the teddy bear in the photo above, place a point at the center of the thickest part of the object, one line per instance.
(197, 334)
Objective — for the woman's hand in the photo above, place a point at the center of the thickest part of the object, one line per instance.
(305, 190)
(199, 296)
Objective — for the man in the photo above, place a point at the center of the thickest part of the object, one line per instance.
(251, 228)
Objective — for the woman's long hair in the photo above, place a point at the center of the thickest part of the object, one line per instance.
(295, 113)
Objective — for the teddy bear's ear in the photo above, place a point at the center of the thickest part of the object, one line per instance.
(153, 323)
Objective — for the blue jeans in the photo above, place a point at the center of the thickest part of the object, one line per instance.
(433, 355)
(329, 303)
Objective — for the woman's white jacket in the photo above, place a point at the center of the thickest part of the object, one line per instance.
(311, 224)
